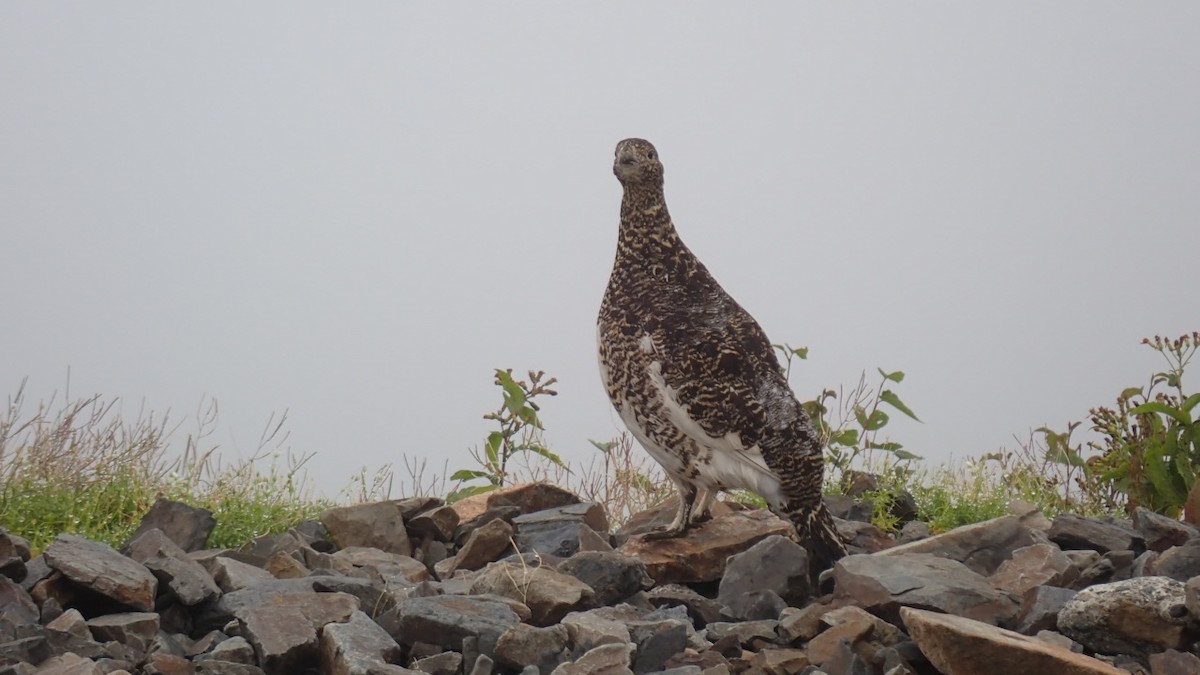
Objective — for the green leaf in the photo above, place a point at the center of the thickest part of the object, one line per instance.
(605, 447)
(847, 437)
(467, 492)
(495, 441)
(889, 446)
(467, 474)
(545, 452)
(1159, 475)
(801, 353)
(1059, 453)
(889, 397)
(1190, 403)
(1160, 407)
(528, 416)
(906, 455)
(876, 421)
(1129, 393)
(897, 376)
(514, 396)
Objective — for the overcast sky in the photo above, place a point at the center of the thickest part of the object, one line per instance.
(356, 212)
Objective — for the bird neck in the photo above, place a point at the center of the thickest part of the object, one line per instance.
(646, 227)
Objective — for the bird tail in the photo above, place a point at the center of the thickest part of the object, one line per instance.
(819, 534)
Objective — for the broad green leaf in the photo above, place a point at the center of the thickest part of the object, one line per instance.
(605, 447)
(906, 455)
(467, 492)
(889, 397)
(528, 416)
(492, 447)
(1160, 407)
(545, 452)
(1159, 474)
(1185, 470)
(1129, 393)
(1190, 403)
(514, 397)
(876, 421)
(801, 353)
(860, 416)
(846, 437)
(1059, 453)
(890, 446)
(467, 474)
(896, 376)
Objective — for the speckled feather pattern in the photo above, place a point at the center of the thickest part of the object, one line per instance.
(694, 376)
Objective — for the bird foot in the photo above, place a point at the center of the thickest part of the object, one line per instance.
(668, 533)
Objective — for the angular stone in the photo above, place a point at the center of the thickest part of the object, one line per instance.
(523, 645)
(700, 609)
(755, 605)
(1039, 610)
(317, 609)
(660, 516)
(390, 568)
(801, 623)
(446, 663)
(445, 620)
(376, 525)
(864, 537)
(1179, 562)
(18, 607)
(961, 646)
(1030, 566)
(609, 659)
(1077, 532)
(981, 546)
(133, 629)
(187, 526)
(550, 595)
(774, 660)
(1173, 662)
(234, 575)
(236, 649)
(882, 632)
(774, 564)
(215, 667)
(828, 646)
(556, 531)
(882, 583)
(1136, 616)
(283, 638)
(185, 578)
(657, 640)
(354, 647)
(590, 540)
(68, 664)
(101, 569)
(13, 555)
(700, 555)
(612, 576)
(213, 616)
(283, 566)
(438, 523)
(483, 546)
(528, 497)
(1161, 532)
(744, 633)
(586, 630)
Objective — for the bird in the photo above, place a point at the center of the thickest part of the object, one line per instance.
(694, 377)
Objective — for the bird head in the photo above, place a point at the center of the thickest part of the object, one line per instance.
(636, 164)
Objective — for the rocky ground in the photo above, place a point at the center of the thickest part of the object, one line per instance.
(529, 580)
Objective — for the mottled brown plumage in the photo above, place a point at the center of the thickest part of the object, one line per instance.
(693, 375)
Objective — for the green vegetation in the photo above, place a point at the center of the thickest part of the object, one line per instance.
(82, 468)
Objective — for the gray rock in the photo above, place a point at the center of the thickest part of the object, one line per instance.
(234, 575)
(446, 663)
(1039, 610)
(774, 564)
(586, 630)
(136, 630)
(235, 650)
(608, 659)
(1161, 532)
(549, 594)
(1172, 662)
(384, 567)
(959, 646)
(755, 605)
(216, 667)
(657, 641)
(612, 576)
(1077, 532)
(187, 526)
(439, 523)
(981, 546)
(523, 645)
(914, 530)
(377, 525)
(18, 607)
(1179, 562)
(355, 647)
(284, 640)
(101, 569)
(1136, 616)
(214, 616)
(700, 609)
(701, 554)
(484, 545)
(1030, 566)
(445, 620)
(883, 583)
(745, 633)
(185, 578)
(556, 531)
(14, 552)
(68, 664)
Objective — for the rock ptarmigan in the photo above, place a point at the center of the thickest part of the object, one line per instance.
(694, 377)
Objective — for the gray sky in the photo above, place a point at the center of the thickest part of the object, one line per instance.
(356, 212)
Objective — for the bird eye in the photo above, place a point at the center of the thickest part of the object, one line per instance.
(650, 155)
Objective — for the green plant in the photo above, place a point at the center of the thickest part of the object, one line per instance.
(625, 481)
(850, 432)
(520, 431)
(1150, 447)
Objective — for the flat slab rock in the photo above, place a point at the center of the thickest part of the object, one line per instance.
(100, 568)
(959, 646)
(700, 554)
